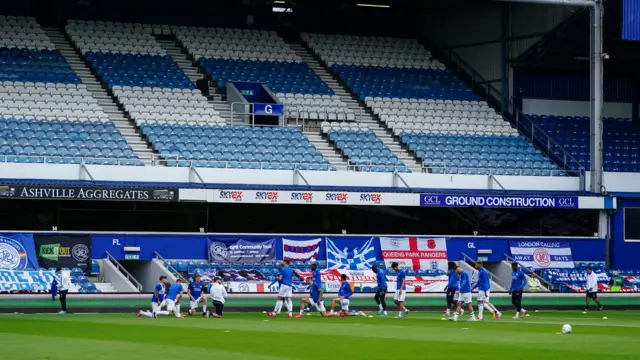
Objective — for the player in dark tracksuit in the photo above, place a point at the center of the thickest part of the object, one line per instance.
(452, 287)
(381, 290)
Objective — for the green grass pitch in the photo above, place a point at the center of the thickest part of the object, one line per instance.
(423, 335)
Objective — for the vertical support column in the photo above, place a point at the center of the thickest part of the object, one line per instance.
(504, 53)
(603, 233)
(596, 97)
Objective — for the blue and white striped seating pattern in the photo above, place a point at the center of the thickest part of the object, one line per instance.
(621, 143)
(365, 150)
(235, 147)
(46, 114)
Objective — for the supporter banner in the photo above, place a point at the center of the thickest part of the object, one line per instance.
(542, 254)
(500, 201)
(314, 197)
(18, 280)
(300, 250)
(351, 254)
(241, 251)
(415, 253)
(17, 252)
(64, 250)
(87, 193)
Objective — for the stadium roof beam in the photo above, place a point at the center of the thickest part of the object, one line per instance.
(579, 3)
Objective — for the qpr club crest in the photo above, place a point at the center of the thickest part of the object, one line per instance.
(13, 255)
(80, 252)
(218, 251)
(542, 257)
(395, 243)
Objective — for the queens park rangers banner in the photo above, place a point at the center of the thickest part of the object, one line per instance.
(415, 252)
(64, 250)
(351, 254)
(542, 254)
(17, 252)
(241, 251)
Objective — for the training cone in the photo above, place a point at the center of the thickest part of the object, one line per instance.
(605, 318)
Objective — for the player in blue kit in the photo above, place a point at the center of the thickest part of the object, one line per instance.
(452, 289)
(463, 295)
(381, 290)
(157, 299)
(401, 287)
(196, 296)
(518, 282)
(316, 300)
(484, 292)
(174, 294)
(285, 276)
(344, 295)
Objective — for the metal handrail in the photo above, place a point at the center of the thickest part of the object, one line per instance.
(492, 276)
(461, 170)
(491, 93)
(123, 270)
(545, 282)
(171, 268)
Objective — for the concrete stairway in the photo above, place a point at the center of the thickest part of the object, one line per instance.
(106, 287)
(327, 150)
(193, 72)
(363, 113)
(109, 104)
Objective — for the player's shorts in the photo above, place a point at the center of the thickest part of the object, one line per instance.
(285, 291)
(195, 304)
(320, 307)
(155, 307)
(345, 304)
(451, 295)
(399, 297)
(592, 295)
(171, 304)
(465, 298)
(456, 296)
(483, 295)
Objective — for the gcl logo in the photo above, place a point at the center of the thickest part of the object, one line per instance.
(340, 197)
(566, 202)
(302, 196)
(430, 200)
(471, 245)
(374, 198)
(231, 195)
(267, 195)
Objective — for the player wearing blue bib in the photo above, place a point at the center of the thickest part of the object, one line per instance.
(316, 299)
(381, 290)
(401, 287)
(285, 277)
(484, 292)
(463, 295)
(518, 282)
(157, 299)
(197, 296)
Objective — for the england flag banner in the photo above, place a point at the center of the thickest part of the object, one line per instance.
(542, 254)
(351, 254)
(300, 251)
(417, 253)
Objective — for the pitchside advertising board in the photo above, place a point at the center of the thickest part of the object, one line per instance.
(64, 250)
(87, 193)
(405, 199)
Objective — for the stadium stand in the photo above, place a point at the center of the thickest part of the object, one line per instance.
(46, 113)
(262, 56)
(620, 140)
(427, 107)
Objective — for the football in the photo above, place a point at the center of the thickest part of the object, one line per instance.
(566, 329)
